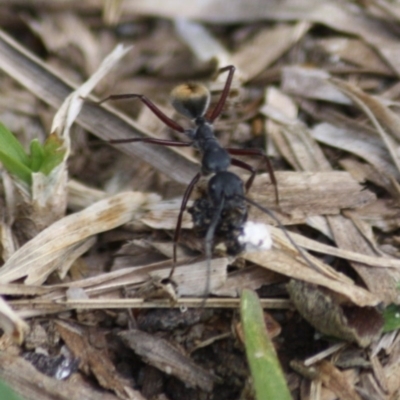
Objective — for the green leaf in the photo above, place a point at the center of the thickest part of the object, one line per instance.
(43, 158)
(6, 393)
(391, 316)
(10, 145)
(53, 154)
(268, 379)
(37, 155)
(13, 155)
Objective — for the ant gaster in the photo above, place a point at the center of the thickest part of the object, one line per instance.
(221, 212)
(192, 101)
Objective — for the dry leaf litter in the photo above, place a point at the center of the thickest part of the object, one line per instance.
(84, 311)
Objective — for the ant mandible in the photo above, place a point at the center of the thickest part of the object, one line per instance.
(192, 101)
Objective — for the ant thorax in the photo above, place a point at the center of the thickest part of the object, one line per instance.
(214, 157)
(233, 214)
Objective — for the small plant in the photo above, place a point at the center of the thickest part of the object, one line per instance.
(268, 379)
(42, 158)
(391, 316)
(6, 393)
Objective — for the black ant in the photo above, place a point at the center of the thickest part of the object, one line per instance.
(222, 210)
(225, 190)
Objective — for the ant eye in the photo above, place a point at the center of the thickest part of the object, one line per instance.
(191, 99)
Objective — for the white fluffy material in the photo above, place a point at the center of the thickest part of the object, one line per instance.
(256, 236)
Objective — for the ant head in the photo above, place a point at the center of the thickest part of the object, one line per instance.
(191, 99)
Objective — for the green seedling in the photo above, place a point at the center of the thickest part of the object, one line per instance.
(391, 316)
(268, 379)
(6, 393)
(42, 158)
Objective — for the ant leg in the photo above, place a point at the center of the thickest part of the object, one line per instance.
(209, 243)
(248, 167)
(259, 153)
(161, 142)
(221, 102)
(177, 233)
(164, 118)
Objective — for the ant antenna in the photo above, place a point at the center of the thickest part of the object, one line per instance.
(225, 92)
